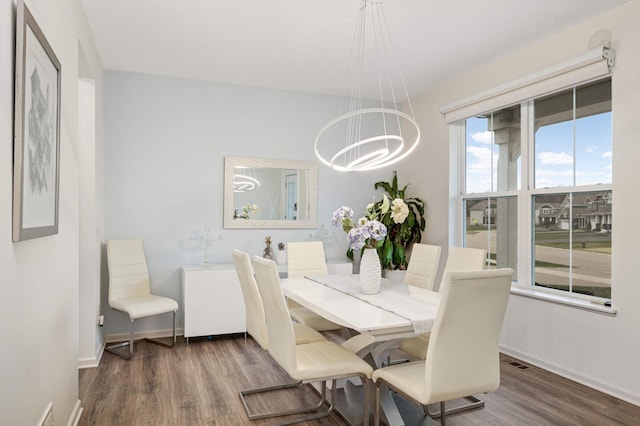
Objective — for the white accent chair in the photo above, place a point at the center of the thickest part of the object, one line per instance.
(423, 265)
(130, 290)
(463, 352)
(306, 258)
(306, 363)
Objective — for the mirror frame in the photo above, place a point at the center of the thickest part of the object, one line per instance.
(230, 223)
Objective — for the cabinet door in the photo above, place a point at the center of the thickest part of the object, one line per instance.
(213, 302)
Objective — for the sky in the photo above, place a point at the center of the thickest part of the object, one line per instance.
(554, 154)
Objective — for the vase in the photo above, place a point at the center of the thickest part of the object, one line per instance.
(370, 271)
(281, 257)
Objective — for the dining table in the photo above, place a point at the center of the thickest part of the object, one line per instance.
(377, 323)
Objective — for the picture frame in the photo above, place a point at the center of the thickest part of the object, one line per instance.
(36, 144)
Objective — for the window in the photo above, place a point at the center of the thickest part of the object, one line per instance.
(537, 190)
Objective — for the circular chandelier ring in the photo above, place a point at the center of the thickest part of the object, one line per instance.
(387, 160)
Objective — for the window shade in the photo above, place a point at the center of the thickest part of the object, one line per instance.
(594, 64)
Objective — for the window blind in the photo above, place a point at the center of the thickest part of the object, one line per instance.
(591, 65)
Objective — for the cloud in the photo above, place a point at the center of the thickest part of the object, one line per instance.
(606, 154)
(482, 137)
(479, 159)
(555, 158)
(551, 173)
(479, 168)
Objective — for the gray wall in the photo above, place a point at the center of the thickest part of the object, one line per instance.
(165, 143)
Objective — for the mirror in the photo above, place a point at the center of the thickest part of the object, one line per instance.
(270, 194)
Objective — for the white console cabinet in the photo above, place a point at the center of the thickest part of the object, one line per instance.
(213, 301)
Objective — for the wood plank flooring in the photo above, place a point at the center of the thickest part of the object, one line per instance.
(198, 384)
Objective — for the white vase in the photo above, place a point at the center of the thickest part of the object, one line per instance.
(370, 271)
(281, 257)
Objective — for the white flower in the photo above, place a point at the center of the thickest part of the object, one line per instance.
(342, 215)
(399, 210)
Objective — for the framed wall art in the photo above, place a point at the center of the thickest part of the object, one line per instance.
(36, 145)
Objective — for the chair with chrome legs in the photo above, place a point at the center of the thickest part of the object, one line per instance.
(130, 290)
(458, 259)
(257, 325)
(463, 353)
(306, 363)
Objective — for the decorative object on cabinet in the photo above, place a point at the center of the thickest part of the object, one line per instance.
(36, 151)
(205, 238)
(267, 253)
(281, 254)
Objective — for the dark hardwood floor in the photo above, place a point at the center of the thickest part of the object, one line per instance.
(198, 384)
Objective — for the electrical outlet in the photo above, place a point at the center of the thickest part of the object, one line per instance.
(47, 417)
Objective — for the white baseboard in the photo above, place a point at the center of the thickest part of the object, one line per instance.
(75, 414)
(91, 362)
(572, 375)
(153, 334)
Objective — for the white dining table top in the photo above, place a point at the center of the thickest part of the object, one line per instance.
(361, 315)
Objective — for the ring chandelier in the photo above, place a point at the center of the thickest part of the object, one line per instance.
(374, 132)
(243, 182)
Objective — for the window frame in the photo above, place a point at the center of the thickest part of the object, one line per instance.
(524, 280)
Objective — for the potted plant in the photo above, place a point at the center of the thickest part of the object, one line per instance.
(405, 222)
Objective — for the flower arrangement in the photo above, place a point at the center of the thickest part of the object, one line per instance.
(247, 211)
(367, 232)
(405, 223)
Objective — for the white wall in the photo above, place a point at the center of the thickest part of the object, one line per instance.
(598, 350)
(165, 143)
(40, 278)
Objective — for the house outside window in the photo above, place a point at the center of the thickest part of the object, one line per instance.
(536, 188)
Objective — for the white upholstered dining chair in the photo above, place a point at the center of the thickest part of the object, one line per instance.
(255, 318)
(130, 290)
(461, 359)
(306, 258)
(423, 265)
(306, 363)
(459, 259)
(257, 325)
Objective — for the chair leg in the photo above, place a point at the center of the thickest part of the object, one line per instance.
(114, 348)
(256, 416)
(159, 342)
(376, 415)
(127, 355)
(475, 402)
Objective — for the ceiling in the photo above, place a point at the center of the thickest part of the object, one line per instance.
(304, 46)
